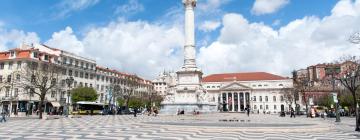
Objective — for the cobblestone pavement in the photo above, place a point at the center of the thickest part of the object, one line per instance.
(219, 126)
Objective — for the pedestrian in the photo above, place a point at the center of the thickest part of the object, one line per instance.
(135, 111)
(292, 113)
(3, 117)
(248, 111)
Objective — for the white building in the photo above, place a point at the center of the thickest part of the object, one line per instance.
(234, 92)
(83, 70)
(164, 82)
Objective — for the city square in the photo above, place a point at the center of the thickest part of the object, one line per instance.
(180, 69)
(205, 126)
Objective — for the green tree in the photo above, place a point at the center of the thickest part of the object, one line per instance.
(83, 94)
(120, 101)
(326, 100)
(136, 102)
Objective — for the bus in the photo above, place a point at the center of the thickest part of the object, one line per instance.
(88, 108)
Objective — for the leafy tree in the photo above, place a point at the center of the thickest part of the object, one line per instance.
(136, 102)
(120, 101)
(326, 100)
(83, 94)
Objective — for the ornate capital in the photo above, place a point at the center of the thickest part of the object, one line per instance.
(189, 3)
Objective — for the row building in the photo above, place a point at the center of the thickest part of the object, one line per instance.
(83, 72)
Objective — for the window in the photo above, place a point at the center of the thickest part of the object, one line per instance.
(267, 107)
(255, 107)
(91, 85)
(81, 84)
(18, 65)
(71, 61)
(86, 84)
(64, 60)
(76, 73)
(260, 98)
(35, 54)
(1, 78)
(81, 74)
(87, 66)
(97, 77)
(208, 86)
(53, 94)
(12, 53)
(86, 75)
(97, 87)
(9, 78)
(10, 65)
(82, 64)
(259, 85)
(274, 107)
(281, 98)
(102, 87)
(63, 94)
(254, 99)
(2, 66)
(7, 92)
(91, 76)
(76, 63)
(75, 83)
(46, 57)
(70, 72)
(18, 77)
(266, 98)
(261, 107)
(274, 98)
(280, 85)
(16, 92)
(213, 87)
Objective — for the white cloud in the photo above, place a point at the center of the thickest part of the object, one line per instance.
(13, 38)
(135, 47)
(68, 6)
(262, 7)
(209, 26)
(66, 40)
(132, 7)
(246, 46)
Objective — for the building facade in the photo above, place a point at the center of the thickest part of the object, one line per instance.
(83, 71)
(259, 91)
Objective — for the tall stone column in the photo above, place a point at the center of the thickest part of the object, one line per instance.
(189, 48)
(232, 102)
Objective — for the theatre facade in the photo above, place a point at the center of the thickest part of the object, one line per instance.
(260, 91)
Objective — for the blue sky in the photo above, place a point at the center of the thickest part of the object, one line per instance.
(38, 15)
(146, 37)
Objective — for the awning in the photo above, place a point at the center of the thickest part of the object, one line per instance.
(55, 104)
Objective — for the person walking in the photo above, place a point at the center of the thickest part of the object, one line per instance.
(248, 111)
(3, 115)
(135, 111)
(292, 113)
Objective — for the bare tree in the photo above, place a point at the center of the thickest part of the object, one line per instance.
(288, 94)
(350, 79)
(41, 77)
(300, 85)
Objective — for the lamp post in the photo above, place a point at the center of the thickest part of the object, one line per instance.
(332, 71)
(69, 82)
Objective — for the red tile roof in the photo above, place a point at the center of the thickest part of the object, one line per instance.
(250, 76)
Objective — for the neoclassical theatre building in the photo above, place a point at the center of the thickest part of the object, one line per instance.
(260, 91)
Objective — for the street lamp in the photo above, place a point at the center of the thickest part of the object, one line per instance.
(69, 82)
(332, 71)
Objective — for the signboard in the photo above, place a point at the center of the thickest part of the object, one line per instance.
(311, 102)
(334, 94)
